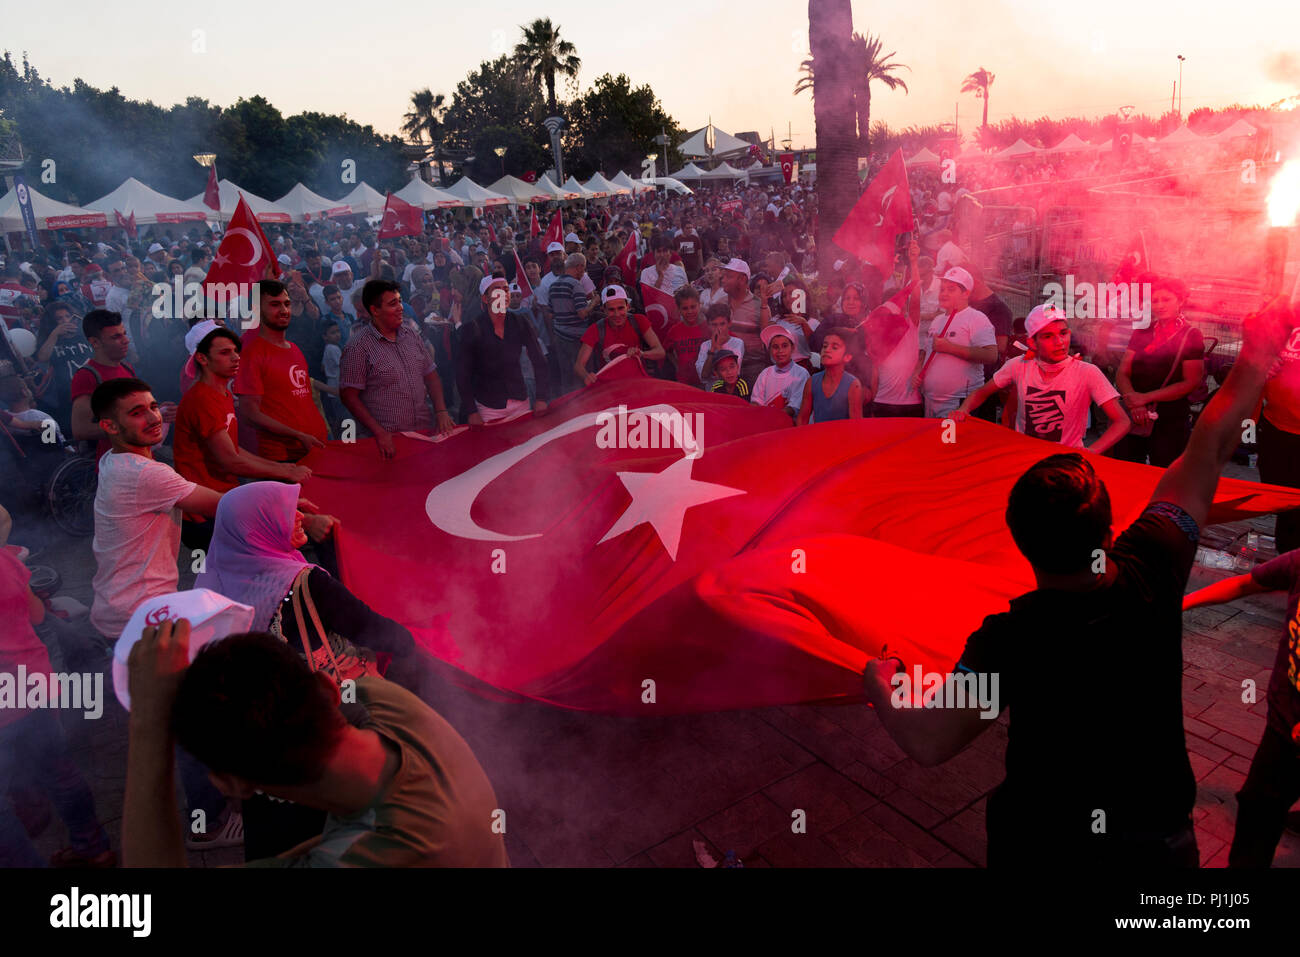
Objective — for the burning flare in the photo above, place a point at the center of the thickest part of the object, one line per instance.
(1284, 195)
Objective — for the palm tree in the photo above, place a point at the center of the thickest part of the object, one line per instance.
(425, 119)
(544, 55)
(830, 29)
(979, 83)
(867, 65)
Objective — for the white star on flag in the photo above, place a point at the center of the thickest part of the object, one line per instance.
(662, 498)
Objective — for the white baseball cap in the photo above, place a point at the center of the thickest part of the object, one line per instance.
(1042, 316)
(572, 238)
(613, 292)
(156, 248)
(486, 283)
(211, 617)
(555, 248)
(197, 333)
(339, 267)
(740, 266)
(961, 277)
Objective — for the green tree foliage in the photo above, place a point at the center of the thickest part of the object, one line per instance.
(98, 138)
(613, 127)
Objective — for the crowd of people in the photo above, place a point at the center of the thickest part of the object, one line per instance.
(477, 322)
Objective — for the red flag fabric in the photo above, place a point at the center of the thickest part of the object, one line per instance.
(400, 219)
(625, 562)
(660, 309)
(525, 287)
(211, 194)
(882, 212)
(1135, 262)
(534, 228)
(555, 231)
(604, 221)
(492, 233)
(787, 166)
(244, 254)
(127, 223)
(626, 260)
(530, 177)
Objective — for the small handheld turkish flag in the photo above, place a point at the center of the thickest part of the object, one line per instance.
(525, 287)
(555, 231)
(787, 166)
(660, 309)
(400, 219)
(626, 260)
(883, 211)
(127, 223)
(492, 233)
(212, 195)
(244, 256)
(534, 227)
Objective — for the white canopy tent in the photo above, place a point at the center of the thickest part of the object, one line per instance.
(689, 171)
(419, 193)
(696, 146)
(923, 157)
(561, 193)
(1111, 144)
(49, 213)
(1238, 130)
(519, 192)
(1071, 144)
(148, 205)
(1183, 136)
(573, 186)
(304, 206)
(264, 211)
(636, 185)
(673, 184)
(598, 184)
(474, 194)
(1017, 150)
(726, 171)
(365, 199)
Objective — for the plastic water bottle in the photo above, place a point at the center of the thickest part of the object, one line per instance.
(1248, 556)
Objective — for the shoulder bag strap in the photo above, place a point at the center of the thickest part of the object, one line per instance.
(299, 590)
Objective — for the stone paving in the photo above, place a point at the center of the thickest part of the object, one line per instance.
(597, 791)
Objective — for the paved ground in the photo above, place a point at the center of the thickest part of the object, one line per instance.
(583, 790)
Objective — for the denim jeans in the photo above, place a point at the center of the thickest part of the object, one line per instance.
(36, 745)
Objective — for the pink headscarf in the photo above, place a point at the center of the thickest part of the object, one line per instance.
(251, 559)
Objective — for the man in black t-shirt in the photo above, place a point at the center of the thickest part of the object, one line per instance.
(1096, 769)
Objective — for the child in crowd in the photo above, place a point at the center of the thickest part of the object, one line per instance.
(18, 399)
(727, 365)
(833, 393)
(685, 337)
(720, 340)
(333, 355)
(780, 385)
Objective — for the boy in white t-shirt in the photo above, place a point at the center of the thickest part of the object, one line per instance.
(956, 347)
(1054, 389)
(780, 385)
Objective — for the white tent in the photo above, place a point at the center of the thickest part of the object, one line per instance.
(149, 205)
(573, 186)
(1182, 136)
(519, 192)
(49, 213)
(726, 171)
(724, 144)
(689, 171)
(547, 185)
(264, 211)
(676, 185)
(636, 185)
(1110, 145)
(598, 184)
(1238, 129)
(924, 157)
(1071, 144)
(474, 194)
(419, 193)
(1018, 149)
(364, 199)
(304, 206)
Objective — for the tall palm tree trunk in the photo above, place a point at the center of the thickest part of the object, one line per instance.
(863, 99)
(986, 106)
(830, 26)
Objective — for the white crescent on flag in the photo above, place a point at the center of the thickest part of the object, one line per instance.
(254, 246)
(884, 204)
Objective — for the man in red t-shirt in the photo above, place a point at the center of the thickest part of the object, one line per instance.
(107, 337)
(273, 385)
(618, 333)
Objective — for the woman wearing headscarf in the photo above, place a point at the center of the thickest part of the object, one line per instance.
(254, 560)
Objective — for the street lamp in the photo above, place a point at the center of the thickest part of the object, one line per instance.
(205, 159)
(1181, 58)
(501, 153)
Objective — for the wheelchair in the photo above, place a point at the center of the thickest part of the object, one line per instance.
(51, 479)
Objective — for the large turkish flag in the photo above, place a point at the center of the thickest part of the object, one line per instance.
(764, 571)
(882, 212)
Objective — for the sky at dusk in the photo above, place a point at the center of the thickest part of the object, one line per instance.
(736, 63)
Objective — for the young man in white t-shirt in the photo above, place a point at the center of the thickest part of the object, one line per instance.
(137, 507)
(1055, 389)
(955, 349)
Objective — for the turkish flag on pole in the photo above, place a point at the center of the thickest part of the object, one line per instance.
(127, 223)
(660, 309)
(492, 233)
(604, 221)
(882, 212)
(555, 231)
(627, 259)
(400, 219)
(656, 562)
(525, 288)
(245, 253)
(534, 227)
(211, 194)
(787, 166)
